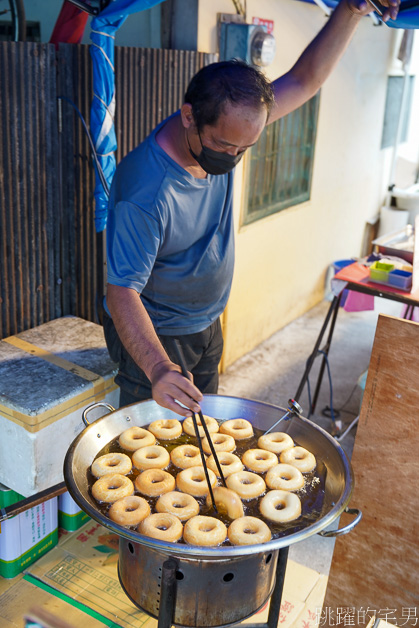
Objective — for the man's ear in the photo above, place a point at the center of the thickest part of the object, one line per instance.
(187, 116)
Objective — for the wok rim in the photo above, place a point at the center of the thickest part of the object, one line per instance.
(219, 552)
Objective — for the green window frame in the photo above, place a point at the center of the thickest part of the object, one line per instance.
(280, 165)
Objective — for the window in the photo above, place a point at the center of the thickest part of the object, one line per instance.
(393, 105)
(281, 163)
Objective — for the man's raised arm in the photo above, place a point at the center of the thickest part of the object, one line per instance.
(320, 57)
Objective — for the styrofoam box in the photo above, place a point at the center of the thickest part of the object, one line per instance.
(27, 536)
(70, 516)
(49, 375)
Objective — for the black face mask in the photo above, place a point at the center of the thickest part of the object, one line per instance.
(212, 161)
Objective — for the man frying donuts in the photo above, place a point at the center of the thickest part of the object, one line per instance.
(170, 225)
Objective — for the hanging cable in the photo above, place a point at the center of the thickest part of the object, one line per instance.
(99, 169)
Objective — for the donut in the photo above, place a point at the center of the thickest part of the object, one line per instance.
(212, 425)
(300, 458)
(239, 429)
(207, 531)
(179, 504)
(280, 506)
(152, 457)
(110, 488)
(275, 442)
(259, 460)
(246, 484)
(166, 429)
(284, 477)
(193, 481)
(221, 442)
(136, 437)
(229, 463)
(154, 482)
(186, 456)
(162, 526)
(227, 501)
(248, 531)
(111, 463)
(129, 511)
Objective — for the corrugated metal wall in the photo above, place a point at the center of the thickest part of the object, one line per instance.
(29, 175)
(49, 251)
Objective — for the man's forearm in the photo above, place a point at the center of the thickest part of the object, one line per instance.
(135, 328)
(323, 53)
(317, 61)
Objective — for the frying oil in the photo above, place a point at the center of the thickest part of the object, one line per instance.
(311, 494)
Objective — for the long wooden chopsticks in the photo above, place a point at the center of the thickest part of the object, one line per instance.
(181, 361)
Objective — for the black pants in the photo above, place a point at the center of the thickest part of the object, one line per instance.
(202, 352)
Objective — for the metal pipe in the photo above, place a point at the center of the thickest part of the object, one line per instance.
(167, 594)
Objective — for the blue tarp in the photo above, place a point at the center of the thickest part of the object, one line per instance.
(102, 129)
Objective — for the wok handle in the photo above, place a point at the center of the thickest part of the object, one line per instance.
(347, 528)
(99, 404)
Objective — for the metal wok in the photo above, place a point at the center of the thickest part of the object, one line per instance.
(339, 480)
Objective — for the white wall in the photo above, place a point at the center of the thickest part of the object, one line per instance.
(281, 260)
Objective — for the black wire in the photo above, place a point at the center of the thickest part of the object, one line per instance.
(95, 157)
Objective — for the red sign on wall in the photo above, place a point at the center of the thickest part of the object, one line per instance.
(262, 22)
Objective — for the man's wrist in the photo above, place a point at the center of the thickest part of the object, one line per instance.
(350, 8)
(158, 367)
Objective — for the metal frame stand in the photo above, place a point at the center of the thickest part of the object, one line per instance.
(168, 594)
(331, 314)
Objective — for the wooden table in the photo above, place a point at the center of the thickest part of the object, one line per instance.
(376, 566)
(353, 277)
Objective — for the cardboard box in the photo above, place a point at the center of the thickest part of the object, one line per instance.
(70, 516)
(27, 536)
(49, 375)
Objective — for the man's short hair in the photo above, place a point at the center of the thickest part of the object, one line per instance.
(224, 82)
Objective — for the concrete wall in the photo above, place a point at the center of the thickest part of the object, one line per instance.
(281, 260)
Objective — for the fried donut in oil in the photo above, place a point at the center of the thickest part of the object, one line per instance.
(111, 463)
(248, 531)
(136, 437)
(152, 457)
(181, 505)
(221, 442)
(227, 501)
(206, 531)
(186, 456)
(284, 477)
(239, 429)
(162, 526)
(129, 511)
(246, 484)
(276, 442)
(229, 463)
(280, 506)
(193, 481)
(109, 488)
(166, 429)
(154, 482)
(212, 425)
(259, 460)
(300, 458)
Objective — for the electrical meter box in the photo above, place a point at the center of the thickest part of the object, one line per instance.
(248, 42)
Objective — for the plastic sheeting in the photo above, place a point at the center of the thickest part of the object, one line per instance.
(102, 112)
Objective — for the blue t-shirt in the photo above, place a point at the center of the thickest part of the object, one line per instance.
(170, 237)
